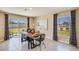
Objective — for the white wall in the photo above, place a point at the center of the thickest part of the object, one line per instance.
(2, 27)
(49, 30)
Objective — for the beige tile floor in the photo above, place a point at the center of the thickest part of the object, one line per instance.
(14, 44)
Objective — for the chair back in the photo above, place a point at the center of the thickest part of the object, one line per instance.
(42, 37)
(23, 35)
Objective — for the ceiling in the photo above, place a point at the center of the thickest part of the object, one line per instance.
(34, 11)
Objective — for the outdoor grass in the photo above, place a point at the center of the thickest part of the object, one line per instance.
(64, 33)
(15, 30)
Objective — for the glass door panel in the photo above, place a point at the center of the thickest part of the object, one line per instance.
(64, 28)
(16, 26)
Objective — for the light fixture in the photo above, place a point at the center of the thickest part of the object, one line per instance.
(27, 9)
(30, 8)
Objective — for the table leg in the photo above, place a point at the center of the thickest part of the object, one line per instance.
(40, 45)
(28, 45)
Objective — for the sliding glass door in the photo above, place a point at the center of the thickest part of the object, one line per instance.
(16, 26)
(64, 28)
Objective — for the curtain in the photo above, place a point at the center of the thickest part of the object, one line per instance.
(28, 25)
(55, 28)
(73, 40)
(6, 28)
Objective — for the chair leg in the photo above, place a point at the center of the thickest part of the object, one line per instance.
(21, 39)
(44, 44)
(28, 45)
(40, 47)
(31, 44)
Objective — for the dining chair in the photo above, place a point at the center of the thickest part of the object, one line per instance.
(42, 38)
(23, 37)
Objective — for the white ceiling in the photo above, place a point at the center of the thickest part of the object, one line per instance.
(36, 11)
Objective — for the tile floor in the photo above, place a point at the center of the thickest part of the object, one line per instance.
(14, 44)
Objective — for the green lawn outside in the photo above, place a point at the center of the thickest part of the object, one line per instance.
(64, 33)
